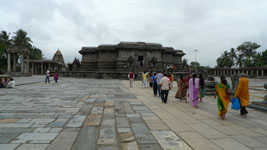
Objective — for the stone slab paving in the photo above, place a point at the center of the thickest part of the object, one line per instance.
(82, 114)
(201, 128)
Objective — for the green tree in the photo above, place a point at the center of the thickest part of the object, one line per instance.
(240, 60)
(5, 42)
(225, 60)
(35, 53)
(195, 64)
(257, 60)
(21, 39)
(248, 49)
(264, 57)
(185, 64)
(233, 54)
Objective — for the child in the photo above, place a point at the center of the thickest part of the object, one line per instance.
(56, 76)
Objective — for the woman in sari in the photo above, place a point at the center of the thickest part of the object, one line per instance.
(194, 90)
(223, 97)
(182, 88)
(201, 93)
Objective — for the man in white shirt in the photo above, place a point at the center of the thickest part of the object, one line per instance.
(159, 76)
(11, 83)
(47, 76)
(164, 88)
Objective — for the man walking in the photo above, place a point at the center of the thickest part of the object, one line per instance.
(243, 94)
(158, 77)
(165, 86)
(131, 77)
(47, 76)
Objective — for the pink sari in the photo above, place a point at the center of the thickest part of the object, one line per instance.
(193, 91)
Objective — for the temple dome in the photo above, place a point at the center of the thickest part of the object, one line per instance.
(58, 57)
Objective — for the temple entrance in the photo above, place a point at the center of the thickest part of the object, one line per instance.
(141, 60)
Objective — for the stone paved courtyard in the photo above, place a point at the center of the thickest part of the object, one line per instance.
(88, 114)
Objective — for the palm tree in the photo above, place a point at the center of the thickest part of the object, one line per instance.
(240, 60)
(248, 49)
(5, 42)
(233, 54)
(21, 39)
(225, 60)
(4, 38)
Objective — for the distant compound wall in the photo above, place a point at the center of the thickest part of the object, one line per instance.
(253, 72)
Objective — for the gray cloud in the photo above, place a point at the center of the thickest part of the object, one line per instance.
(210, 26)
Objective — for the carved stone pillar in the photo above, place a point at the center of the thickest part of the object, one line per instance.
(42, 68)
(32, 68)
(22, 63)
(28, 65)
(8, 63)
(14, 62)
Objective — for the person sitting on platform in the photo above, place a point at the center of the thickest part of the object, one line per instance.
(11, 83)
(1, 84)
(4, 82)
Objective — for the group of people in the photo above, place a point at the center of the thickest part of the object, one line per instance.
(196, 86)
(223, 95)
(7, 83)
(47, 79)
(161, 83)
(193, 86)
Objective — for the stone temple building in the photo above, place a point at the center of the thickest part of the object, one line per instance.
(115, 61)
(41, 66)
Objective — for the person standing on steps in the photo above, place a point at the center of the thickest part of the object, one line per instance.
(165, 86)
(243, 94)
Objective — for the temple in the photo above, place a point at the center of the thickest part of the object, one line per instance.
(40, 66)
(114, 61)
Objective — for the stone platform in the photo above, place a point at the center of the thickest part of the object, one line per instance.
(89, 114)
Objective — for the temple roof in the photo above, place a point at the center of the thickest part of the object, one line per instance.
(129, 45)
(139, 45)
(58, 52)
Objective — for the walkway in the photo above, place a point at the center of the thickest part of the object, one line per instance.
(201, 128)
(89, 114)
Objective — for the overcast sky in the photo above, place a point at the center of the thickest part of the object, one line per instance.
(209, 26)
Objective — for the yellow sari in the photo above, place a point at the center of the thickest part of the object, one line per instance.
(222, 98)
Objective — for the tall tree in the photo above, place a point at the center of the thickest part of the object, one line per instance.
(257, 60)
(233, 53)
(185, 64)
(5, 42)
(35, 53)
(21, 39)
(264, 57)
(225, 60)
(248, 49)
(240, 60)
